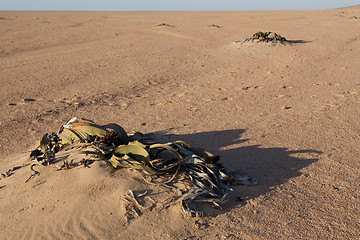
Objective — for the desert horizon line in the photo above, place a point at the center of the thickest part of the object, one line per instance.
(168, 10)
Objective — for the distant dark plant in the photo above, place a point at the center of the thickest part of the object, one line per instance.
(164, 25)
(266, 37)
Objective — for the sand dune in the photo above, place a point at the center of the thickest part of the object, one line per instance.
(285, 113)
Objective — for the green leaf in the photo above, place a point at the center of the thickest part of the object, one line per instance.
(133, 150)
(67, 164)
(167, 147)
(114, 162)
(198, 151)
(88, 128)
(130, 162)
(136, 136)
(136, 143)
(68, 137)
(81, 135)
(44, 143)
(119, 131)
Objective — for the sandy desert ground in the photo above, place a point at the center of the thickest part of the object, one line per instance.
(286, 114)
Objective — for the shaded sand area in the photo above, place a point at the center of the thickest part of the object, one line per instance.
(287, 114)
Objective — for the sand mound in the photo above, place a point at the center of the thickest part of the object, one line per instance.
(80, 203)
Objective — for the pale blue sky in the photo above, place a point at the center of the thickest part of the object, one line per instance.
(173, 5)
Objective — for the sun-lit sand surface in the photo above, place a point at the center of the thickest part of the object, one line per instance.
(287, 114)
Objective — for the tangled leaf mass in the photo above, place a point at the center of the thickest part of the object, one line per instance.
(210, 180)
(266, 37)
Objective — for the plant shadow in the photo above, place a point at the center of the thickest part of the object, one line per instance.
(298, 41)
(270, 166)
